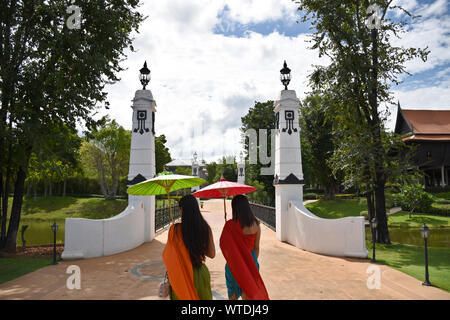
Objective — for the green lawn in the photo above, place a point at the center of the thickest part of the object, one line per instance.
(11, 268)
(59, 208)
(339, 208)
(411, 260)
(333, 209)
(401, 219)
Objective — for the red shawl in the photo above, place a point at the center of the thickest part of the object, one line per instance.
(241, 262)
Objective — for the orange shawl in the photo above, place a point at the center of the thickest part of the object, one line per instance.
(179, 266)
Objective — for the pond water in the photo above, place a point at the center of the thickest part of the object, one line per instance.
(40, 232)
(439, 237)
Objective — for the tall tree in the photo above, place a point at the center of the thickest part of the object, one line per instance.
(317, 129)
(106, 155)
(364, 64)
(162, 153)
(52, 72)
(186, 171)
(213, 170)
(227, 169)
(260, 116)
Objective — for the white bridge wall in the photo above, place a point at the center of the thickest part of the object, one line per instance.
(89, 238)
(334, 237)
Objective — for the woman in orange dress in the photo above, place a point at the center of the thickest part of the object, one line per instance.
(188, 245)
(239, 243)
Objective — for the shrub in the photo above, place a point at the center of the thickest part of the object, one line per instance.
(442, 201)
(414, 198)
(317, 191)
(365, 214)
(346, 196)
(444, 212)
(438, 190)
(443, 195)
(310, 196)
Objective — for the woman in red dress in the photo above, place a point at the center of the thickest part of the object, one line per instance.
(239, 243)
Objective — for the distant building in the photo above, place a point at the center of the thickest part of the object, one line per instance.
(187, 163)
(430, 131)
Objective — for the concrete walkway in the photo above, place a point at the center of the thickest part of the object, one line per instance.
(288, 272)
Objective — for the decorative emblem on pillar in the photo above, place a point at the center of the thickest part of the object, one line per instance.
(289, 117)
(241, 172)
(141, 116)
(153, 122)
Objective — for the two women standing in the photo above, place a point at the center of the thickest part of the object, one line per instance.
(191, 241)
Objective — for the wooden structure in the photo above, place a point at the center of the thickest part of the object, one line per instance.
(430, 131)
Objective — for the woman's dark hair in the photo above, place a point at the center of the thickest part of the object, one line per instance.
(195, 230)
(242, 211)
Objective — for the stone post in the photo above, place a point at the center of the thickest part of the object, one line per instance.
(288, 176)
(142, 154)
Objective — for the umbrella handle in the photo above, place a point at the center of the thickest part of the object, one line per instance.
(224, 209)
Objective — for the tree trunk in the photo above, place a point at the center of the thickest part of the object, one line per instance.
(103, 185)
(50, 187)
(28, 188)
(370, 205)
(15, 211)
(35, 190)
(5, 207)
(329, 192)
(380, 205)
(380, 198)
(64, 187)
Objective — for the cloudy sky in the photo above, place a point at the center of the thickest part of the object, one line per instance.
(210, 60)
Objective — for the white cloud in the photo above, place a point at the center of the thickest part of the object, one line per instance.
(201, 77)
(205, 82)
(255, 11)
(430, 30)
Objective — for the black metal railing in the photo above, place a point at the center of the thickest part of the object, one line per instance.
(162, 216)
(265, 214)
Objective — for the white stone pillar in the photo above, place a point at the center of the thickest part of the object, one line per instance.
(142, 155)
(288, 179)
(241, 170)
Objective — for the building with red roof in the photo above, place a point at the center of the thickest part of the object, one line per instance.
(430, 131)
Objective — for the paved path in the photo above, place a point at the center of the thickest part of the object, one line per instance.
(288, 272)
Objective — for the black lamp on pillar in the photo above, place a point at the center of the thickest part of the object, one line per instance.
(285, 75)
(144, 77)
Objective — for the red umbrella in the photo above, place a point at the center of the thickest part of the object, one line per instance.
(223, 189)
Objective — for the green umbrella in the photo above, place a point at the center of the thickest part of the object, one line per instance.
(164, 183)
